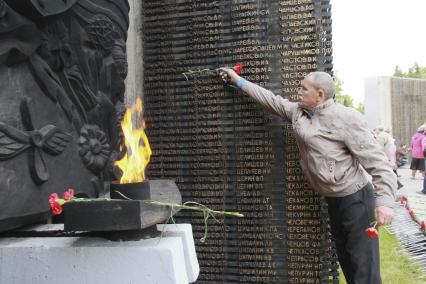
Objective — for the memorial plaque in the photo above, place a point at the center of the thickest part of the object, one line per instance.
(222, 149)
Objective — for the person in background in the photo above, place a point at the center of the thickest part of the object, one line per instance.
(385, 139)
(335, 149)
(423, 191)
(401, 155)
(417, 157)
(392, 162)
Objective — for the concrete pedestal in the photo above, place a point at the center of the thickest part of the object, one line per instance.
(169, 259)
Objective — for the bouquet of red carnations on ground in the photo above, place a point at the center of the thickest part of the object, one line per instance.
(422, 223)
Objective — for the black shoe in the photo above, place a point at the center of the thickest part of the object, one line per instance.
(400, 185)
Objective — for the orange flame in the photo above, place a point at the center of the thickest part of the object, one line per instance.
(138, 154)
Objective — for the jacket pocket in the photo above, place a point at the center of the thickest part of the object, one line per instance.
(330, 134)
(326, 171)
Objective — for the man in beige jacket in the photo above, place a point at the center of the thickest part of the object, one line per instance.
(335, 149)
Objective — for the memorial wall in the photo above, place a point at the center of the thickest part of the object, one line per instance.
(222, 149)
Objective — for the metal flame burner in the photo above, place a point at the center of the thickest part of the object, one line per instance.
(130, 191)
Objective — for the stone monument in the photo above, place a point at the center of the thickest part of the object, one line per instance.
(62, 71)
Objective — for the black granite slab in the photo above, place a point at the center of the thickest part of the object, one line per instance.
(121, 215)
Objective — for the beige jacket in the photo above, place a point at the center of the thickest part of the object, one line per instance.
(335, 145)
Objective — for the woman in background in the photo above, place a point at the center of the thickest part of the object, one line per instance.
(417, 157)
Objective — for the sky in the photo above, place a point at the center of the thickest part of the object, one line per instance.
(371, 37)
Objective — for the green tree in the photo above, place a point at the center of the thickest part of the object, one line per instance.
(345, 99)
(398, 72)
(416, 71)
(361, 108)
(339, 84)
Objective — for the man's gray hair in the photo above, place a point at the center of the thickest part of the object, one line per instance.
(324, 81)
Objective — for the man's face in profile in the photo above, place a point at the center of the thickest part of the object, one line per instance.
(309, 95)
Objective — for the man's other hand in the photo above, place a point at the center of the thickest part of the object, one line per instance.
(384, 215)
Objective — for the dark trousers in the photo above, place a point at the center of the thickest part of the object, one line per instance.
(358, 254)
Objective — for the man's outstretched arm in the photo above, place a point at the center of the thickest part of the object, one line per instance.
(268, 100)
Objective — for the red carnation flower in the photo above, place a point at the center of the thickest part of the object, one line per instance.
(371, 232)
(411, 212)
(56, 208)
(53, 198)
(403, 199)
(68, 194)
(423, 224)
(238, 68)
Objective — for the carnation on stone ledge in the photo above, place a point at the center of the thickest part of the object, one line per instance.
(67, 195)
(56, 203)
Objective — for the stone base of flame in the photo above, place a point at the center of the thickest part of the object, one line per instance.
(168, 259)
(128, 216)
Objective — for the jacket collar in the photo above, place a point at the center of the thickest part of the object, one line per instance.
(310, 112)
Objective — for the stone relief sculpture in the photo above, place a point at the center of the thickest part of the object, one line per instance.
(62, 70)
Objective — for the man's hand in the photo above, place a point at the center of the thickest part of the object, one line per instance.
(228, 75)
(384, 215)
